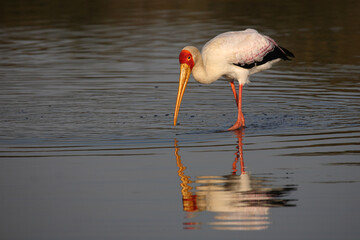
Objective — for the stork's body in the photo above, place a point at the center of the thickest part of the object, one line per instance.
(234, 55)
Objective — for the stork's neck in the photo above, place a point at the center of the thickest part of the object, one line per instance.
(200, 71)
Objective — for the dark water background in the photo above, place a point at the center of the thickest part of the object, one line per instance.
(87, 146)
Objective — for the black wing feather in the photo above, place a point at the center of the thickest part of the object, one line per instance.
(276, 53)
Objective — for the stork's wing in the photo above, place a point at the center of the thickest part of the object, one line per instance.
(276, 53)
(248, 48)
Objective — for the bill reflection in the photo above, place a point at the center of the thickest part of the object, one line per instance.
(239, 200)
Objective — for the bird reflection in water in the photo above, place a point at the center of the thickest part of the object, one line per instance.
(240, 201)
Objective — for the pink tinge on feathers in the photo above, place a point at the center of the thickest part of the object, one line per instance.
(257, 55)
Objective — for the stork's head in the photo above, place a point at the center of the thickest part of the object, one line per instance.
(187, 62)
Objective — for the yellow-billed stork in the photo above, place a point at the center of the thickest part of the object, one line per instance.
(234, 55)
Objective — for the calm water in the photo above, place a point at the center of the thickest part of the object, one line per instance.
(87, 146)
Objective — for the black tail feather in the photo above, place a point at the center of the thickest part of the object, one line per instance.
(287, 53)
(277, 53)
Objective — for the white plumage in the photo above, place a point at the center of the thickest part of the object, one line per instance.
(242, 47)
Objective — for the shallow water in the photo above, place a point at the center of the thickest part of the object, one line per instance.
(87, 146)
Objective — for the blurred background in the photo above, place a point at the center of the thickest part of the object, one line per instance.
(107, 58)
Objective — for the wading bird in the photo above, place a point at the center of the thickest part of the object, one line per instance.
(234, 55)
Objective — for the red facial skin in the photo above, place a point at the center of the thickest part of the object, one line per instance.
(186, 57)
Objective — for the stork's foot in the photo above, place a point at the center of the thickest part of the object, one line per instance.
(237, 125)
(240, 123)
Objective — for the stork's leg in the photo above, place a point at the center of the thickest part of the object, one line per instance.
(234, 92)
(240, 120)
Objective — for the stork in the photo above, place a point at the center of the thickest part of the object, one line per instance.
(233, 55)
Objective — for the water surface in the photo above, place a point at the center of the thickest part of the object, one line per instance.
(87, 146)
